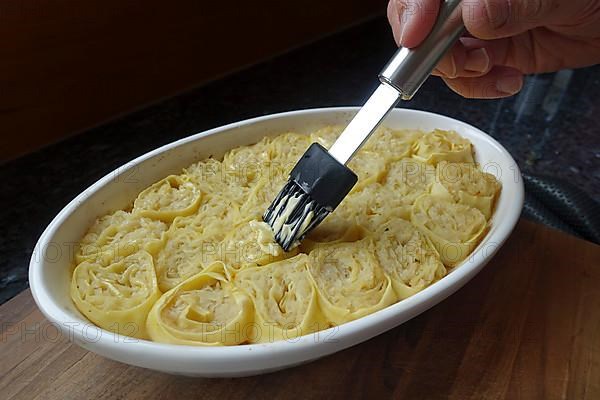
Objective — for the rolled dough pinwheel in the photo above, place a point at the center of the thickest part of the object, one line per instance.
(439, 145)
(119, 296)
(467, 184)
(392, 145)
(407, 257)
(246, 163)
(369, 207)
(406, 180)
(350, 281)
(193, 243)
(204, 310)
(369, 166)
(250, 243)
(213, 179)
(171, 197)
(285, 299)
(186, 253)
(262, 193)
(118, 235)
(338, 227)
(454, 229)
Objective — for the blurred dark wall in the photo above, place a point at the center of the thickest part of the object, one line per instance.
(67, 65)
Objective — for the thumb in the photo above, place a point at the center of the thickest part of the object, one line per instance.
(494, 19)
(411, 20)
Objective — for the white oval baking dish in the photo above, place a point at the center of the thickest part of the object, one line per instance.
(49, 271)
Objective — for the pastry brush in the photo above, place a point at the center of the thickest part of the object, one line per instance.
(320, 180)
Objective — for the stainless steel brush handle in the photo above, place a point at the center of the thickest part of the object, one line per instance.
(409, 68)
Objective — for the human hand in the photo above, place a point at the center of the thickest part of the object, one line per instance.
(505, 39)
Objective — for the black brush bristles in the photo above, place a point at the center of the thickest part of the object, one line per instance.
(317, 184)
(292, 215)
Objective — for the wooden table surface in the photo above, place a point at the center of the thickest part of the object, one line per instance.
(528, 326)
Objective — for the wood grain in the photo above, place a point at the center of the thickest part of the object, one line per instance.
(68, 65)
(527, 327)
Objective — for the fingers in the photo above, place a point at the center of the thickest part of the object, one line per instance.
(478, 68)
(393, 17)
(473, 67)
(411, 20)
(462, 61)
(498, 82)
(471, 57)
(494, 19)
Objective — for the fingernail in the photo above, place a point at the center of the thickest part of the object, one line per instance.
(509, 84)
(402, 29)
(454, 71)
(477, 61)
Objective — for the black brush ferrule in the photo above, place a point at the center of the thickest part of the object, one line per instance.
(322, 177)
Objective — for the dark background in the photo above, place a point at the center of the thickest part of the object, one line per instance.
(68, 65)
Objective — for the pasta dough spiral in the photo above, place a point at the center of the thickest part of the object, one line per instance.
(350, 281)
(171, 197)
(439, 145)
(366, 208)
(186, 253)
(250, 243)
(392, 145)
(336, 228)
(119, 235)
(466, 184)
(214, 179)
(193, 243)
(119, 296)
(262, 194)
(454, 229)
(284, 298)
(369, 167)
(204, 310)
(407, 257)
(406, 180)
(247, 162)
